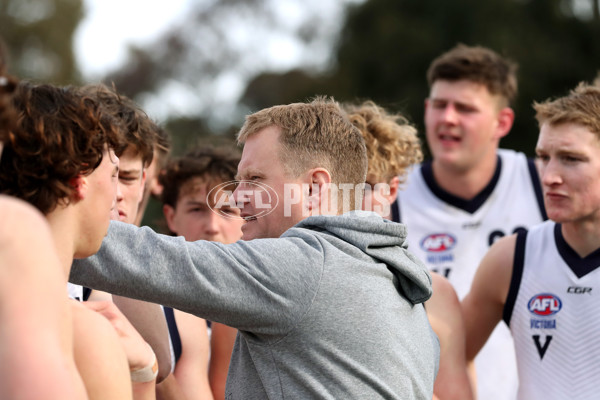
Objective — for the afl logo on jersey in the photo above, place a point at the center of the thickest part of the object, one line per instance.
(437, 242)
(544, 304)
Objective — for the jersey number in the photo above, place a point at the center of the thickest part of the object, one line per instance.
(497, 234)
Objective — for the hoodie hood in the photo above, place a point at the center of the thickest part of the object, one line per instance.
(383, 240)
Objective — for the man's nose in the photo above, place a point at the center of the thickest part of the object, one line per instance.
(119, 192)
(241, 194)
(212, 223)
(449, 114)
(551, 174)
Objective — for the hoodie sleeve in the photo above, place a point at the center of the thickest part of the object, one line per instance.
(262, 286)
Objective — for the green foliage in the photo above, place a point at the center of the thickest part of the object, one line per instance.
(386, 46)
(189, 132)
(38, 35)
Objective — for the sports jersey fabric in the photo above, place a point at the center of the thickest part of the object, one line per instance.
(451, 235)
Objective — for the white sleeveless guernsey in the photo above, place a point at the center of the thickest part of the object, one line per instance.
(554, 316)
(74, 291)
(451, 236)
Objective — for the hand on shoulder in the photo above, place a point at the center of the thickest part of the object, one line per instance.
(139, 353)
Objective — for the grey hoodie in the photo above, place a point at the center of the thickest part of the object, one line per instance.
(331, 310)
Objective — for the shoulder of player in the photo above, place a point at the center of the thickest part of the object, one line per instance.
(495, 270)
(443, 290)
(443, 308)
(511, 153)
(91, 324)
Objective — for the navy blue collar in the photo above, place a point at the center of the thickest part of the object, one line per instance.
(469, 206)
(579, 266)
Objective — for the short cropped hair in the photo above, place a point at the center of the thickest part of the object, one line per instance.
(215, 165)
(581, 106)
(476, 64)
(391, 141)
(60, 134)
(140, 130)
(315, 134)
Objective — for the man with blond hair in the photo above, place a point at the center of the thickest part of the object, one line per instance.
(543, 282)
(306, 296)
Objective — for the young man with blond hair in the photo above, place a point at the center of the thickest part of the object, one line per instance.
(542, 283)
(306, 296)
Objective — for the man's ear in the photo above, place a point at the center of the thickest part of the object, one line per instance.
(394, 184)
(79, 185)
(169, 213)
(505, 120)
(319, 181)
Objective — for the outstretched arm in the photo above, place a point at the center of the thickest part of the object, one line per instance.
(247, 285)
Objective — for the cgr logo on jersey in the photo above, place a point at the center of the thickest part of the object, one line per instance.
(438, 242)
(544, 304)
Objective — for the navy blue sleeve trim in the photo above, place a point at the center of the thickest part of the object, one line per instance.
(173, 332)
(537, 187)
(86, 293)
(396, 217)
(517, 274)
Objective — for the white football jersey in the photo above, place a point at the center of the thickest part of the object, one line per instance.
(74, 291)
(554, 317)
(452, 235)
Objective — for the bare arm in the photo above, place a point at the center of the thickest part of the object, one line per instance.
(221, 347)
(169, 389)
(149, 320)
(100, 358)
(445, 317)
(484, 304)
(191, 371)
(138, 352)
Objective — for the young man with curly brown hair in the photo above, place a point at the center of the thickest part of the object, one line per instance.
(59, 157)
